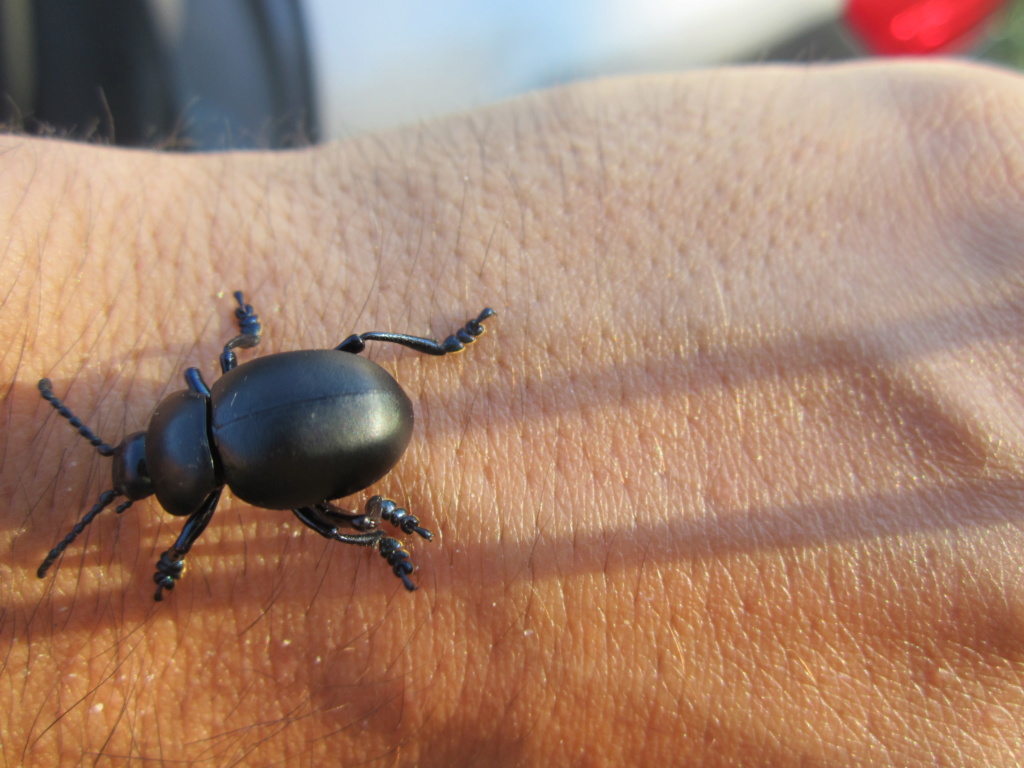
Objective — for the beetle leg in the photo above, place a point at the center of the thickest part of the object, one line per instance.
(171, 564)
(356, 343)
(393, 551)
(378, 508)
(340, 516)
(328, 528)
(390, 549)
(194, 380)
(249, 330)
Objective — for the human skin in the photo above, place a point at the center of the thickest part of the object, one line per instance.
(735, 476)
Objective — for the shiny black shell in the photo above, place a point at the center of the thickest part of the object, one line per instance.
(178, 461)
(295, 428)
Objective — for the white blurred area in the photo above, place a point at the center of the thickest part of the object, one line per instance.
(392, 62)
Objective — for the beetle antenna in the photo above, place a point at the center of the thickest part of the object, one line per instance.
(46, 390)
(104, 501)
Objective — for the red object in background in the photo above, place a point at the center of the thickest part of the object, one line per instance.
(894, 27)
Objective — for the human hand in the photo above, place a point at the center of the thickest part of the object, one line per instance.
(734, 478)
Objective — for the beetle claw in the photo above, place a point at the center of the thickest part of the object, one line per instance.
(408, 584)
(392, 551)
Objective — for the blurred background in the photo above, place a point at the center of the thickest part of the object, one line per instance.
(222, 74)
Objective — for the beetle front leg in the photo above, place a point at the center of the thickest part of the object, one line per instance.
(171, 564)
(249, 330)
(457, 342)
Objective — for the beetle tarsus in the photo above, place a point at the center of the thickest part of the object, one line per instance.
(169, 569)
(249, 330)
(379, 508)
(468, 333)
(396, 556)
(248, 320)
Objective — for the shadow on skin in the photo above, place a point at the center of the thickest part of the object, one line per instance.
(267, 576)
(691, 535)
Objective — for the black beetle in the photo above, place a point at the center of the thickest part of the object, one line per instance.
(287, 431)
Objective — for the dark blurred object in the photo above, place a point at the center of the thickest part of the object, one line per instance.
(181, 74)
(827, 41)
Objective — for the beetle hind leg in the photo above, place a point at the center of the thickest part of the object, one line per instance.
(377, 508)
(343, 518)
(324, 518)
